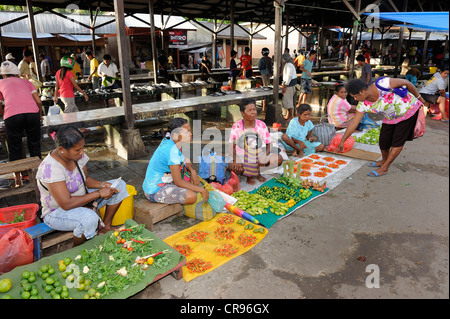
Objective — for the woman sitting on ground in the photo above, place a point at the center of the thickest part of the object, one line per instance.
(434, 92)
(250, 145)
(68, 193)
(298, 137)
(170, 178)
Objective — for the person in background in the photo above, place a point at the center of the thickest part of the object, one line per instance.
(234, 70)
(340, 112)
(265, 66)
(9, 57)
(246, 60)
(305, 80)
(65, 83)
(434, 92)
(190, 61)
(400, 102)
(22, 111)
(76, 70)
(413, 76)
(298, 137)
(170, 178)
(366, 74)
(70, 197)
(24, 65)
(45, 68)
(298, 61)
(205, 66)
(288, 85)
(93, 76)
(108, 71)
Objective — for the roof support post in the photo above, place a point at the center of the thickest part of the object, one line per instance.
(425, 51)
(399, 51)
(34, 38)
(232, 25)
(92, 20)
(214, 44)
(355, 36)
(277, 53)
(151, 10)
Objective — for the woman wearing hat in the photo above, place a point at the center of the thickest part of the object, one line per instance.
(65, 82)
(22, 111)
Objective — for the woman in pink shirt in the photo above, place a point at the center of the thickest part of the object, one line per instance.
(65, 82)
(22, 111)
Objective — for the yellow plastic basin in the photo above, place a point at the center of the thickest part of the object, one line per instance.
(126, 209)
(433, 69)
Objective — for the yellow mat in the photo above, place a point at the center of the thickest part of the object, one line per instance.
(210, 244)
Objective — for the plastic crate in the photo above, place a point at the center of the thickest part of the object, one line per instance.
(7, 215)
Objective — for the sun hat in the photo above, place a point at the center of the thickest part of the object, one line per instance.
(10, 68)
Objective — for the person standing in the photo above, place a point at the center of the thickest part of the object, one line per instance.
(246, 60)
(22, 111)
(234, 71)
(305, 80)
(400, 102)
(109, 72)
(93, 76)
(45, 68)
(65, 83)
(265, 66)
(24, 65)
(288, 85)
(366, 74)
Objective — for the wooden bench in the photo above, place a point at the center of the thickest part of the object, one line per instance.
(30, 165)
(149, 213)
(52, 237)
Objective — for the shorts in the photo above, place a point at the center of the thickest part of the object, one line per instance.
(396, 135)
(305, 85)
(83, 220)
(431, 98)
(169, 194)
(69, 104)
(288, 97)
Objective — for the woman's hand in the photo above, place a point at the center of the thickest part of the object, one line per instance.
(86, 97)
(205, 194)
(238, 168)
(107, 192)
(340, 147)
(194, 178)
(55, 99)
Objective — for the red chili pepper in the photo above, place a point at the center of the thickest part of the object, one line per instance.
(126, 229)
(138, 241)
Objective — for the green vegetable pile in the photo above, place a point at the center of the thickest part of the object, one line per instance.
(371, 137)
(255, 204)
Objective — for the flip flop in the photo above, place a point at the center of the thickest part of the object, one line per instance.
(375, 174)
(444, 121)
(373, 164)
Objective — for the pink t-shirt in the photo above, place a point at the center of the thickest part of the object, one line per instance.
(65, 85)
(17, 96)
(337, 110)
(237, 131)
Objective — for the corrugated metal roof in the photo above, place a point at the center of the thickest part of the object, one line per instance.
(225, 34)
(51, 23)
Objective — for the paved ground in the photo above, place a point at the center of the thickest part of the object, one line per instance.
(397, 224)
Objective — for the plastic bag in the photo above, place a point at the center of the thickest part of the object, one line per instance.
(54, 110)
(216, 201)
(234, 182)
(419, 129)
(348, 144)
(16, 249)
(212, 167)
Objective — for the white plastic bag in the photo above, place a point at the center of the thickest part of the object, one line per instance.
(54, 110)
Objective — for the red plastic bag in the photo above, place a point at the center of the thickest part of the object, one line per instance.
(234, 182)
(419, 129)
(348, 144)
(16, 249)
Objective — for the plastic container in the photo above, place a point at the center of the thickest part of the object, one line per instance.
(433, 69)
(7, 215)
(126, 209)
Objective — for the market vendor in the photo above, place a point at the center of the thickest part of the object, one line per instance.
(170, 178)
(250, 145)
(69, 194)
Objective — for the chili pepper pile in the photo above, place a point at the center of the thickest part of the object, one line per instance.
(198, 265)
(197, 235)
(246, 240)
(226, 250)
(184, 249)
(225, 219)
(223, 232)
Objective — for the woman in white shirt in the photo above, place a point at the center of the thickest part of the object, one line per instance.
(288, 85)
(434, 92)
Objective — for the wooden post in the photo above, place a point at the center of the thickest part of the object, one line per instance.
(351, 57)
(277, 53)
(399, 51)
(232, 25)
(91, 18)
(2, 53)
(34, 38)
(425, 53)
(124, 58)
(153, 39)
(214, 44)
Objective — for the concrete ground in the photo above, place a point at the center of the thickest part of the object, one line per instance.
(392, 230)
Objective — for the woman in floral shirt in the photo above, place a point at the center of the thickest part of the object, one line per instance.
(399, 101)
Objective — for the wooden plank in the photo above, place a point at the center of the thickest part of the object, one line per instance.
(360, 154)
(38, 230)
(56, 238)
(20, 165)
(28, 188)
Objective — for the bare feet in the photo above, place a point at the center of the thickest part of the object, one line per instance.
(251, 181)
(261, 178)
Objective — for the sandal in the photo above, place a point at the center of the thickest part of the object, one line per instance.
(373, 164)
(375, 174)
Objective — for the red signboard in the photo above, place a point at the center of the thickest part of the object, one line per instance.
(177, 37)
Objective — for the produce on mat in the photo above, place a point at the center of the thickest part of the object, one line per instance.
(226, 250)
(197, 235)
(223, 232)
(183, 249)
(256, 204)
(198, 265)
(246, 240)
(225, 219)
(5, 285)
(371, 137)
